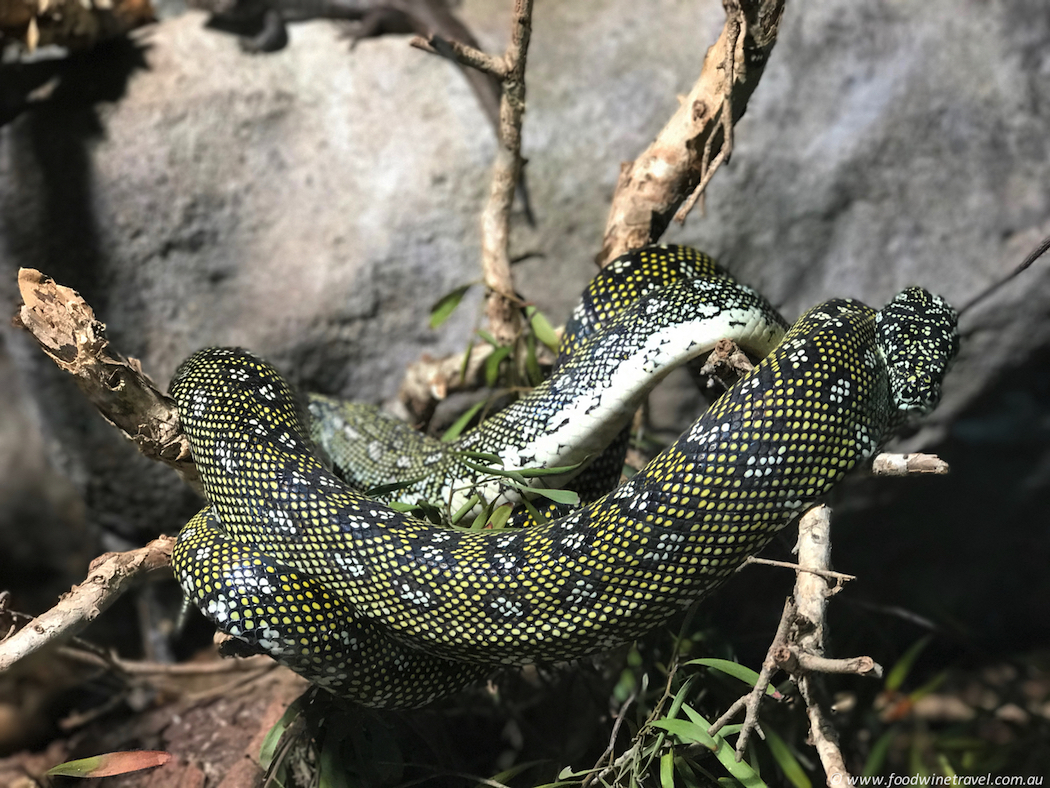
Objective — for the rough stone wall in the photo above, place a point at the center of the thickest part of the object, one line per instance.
(313, 203)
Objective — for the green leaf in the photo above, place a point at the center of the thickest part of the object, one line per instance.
(687, 732)
(482, 518)
(568, 497)
(927, 688)
(786, 759)
(725, 753)
(537, 516)
(383, 489)
(110, 764)
(531, 473)
(542, 328)
(446, 305)
(272, 740)
(484, 456)
(895, 678)
(488, 338)
(461, 423)
(734, 669)
(462, 511)
(532, 363)
(493, 471)
(667, 770)
(466, 360)
(500, 516)
(492, 365)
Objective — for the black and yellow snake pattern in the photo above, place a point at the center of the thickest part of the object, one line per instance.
(585, 407)
(388, 610)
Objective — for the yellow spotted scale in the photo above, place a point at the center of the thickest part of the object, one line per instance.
(390, 611)
(570, 419)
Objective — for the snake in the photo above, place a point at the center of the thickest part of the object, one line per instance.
(388, 610)
(578, 418)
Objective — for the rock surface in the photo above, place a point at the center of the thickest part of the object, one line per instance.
(312, 204)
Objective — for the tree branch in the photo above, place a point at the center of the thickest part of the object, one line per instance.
(697, 139)
(109, 576)
(503, 307)
(66, 329)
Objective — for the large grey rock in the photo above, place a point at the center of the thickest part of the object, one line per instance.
(313, 203)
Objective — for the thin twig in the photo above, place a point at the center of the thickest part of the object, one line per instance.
(812, 663)
(1034, 255)
(594, 772)
(108, 577)
(769, 666)
(708, 164)
(828, 573)
(461, 53)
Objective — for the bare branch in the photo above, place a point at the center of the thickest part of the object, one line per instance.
(753, 700)
(66, 328)
(907, 464)
(503, 307)
(461, 53)
(840, 576)
(108, 577)
(811, 593)
(679, 163)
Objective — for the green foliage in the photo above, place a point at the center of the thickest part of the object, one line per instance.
(444, 307)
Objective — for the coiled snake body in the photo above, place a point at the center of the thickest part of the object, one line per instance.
(388, 610)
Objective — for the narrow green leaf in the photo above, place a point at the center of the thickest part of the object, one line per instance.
(484, 456)
(667, 770)
(786, 759)
(488, 338)
(273, 737)
(482, 519)
(500, 516)
(384, 489)
(110, 764)
(516, 478)
(538, 517)
(726, 755)
(542, 328)
(466, 360)
(446, 305)
(879, 750)
(734, 669)
(462, 511)
(461, 423)
(331, 771)
(530, 473)
(687, 732)
(568, 497)
(532, 363)
(492, 365)
(928, 687)
(895, 678)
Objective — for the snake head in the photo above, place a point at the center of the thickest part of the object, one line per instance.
(917, 332)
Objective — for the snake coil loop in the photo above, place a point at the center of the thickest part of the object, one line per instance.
(391, 611)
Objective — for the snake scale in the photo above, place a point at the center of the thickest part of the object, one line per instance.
(584, 407)
(388, 610)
